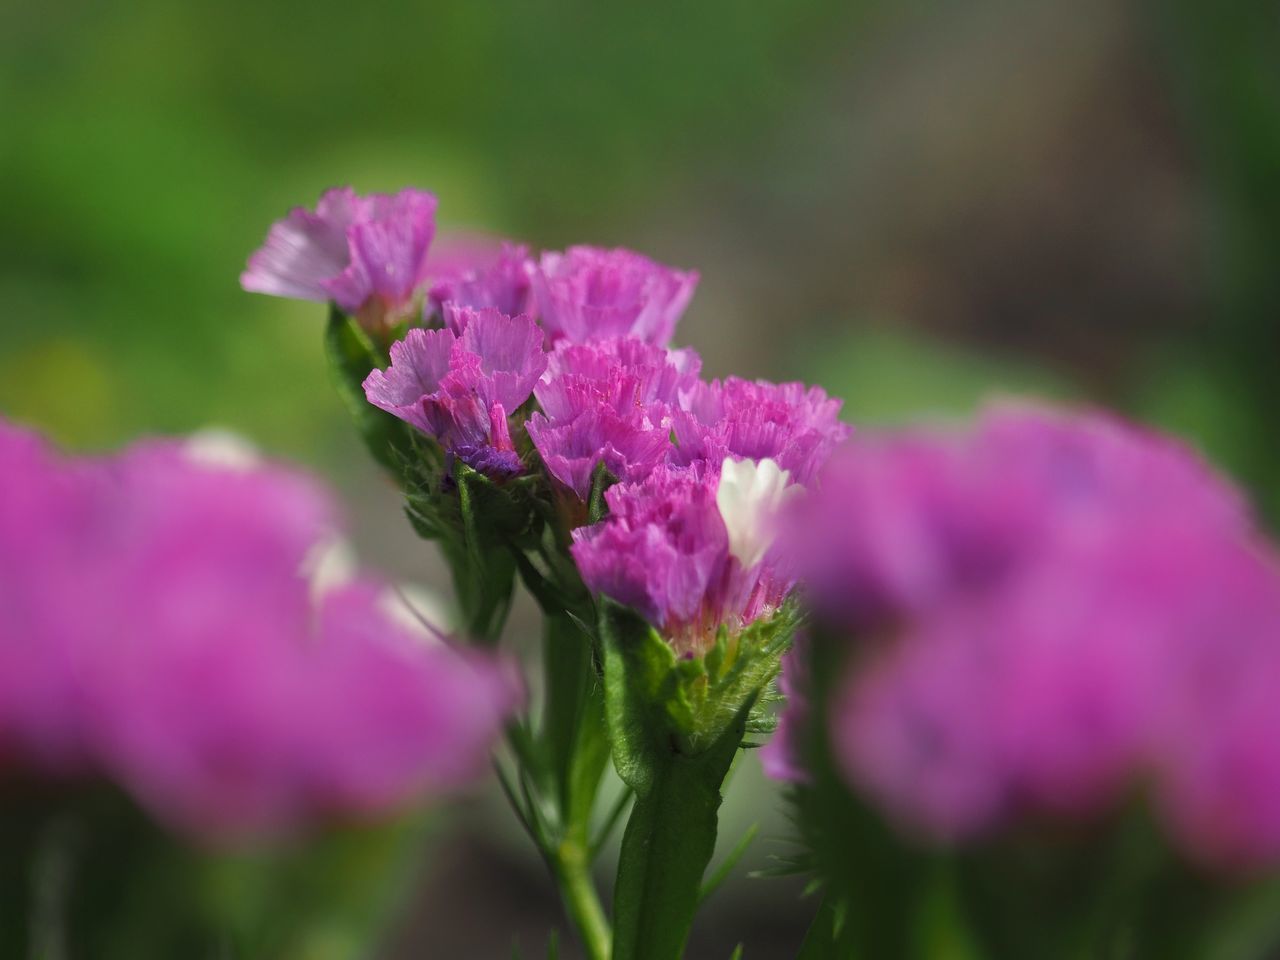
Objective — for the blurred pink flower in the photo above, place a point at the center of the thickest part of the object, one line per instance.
(184, 653)
(1050, 610)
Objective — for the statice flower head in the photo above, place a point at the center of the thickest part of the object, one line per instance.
(203, 671)
(461, 387)
(368, 254)
(483, 279)
(687, 548)
(47, 506)
(1048, 609)
(795, 425)
(1217, 767)
(927, 514)
(608, 402)
(588, 293)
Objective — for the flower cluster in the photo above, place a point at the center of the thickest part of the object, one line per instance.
(706, 467)
(1051, 609)
(158, 627)
(1035, 618)
(586, 332)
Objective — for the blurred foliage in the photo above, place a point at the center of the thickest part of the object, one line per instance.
(1224, 67)
(888, 377)
(87, 874)
(150, 144)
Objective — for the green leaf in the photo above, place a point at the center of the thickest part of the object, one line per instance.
(638, 675)
(352, 356)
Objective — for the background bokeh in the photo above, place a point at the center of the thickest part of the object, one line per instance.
(915, 204)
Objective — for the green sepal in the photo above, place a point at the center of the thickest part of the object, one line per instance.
(653, 695)
(352, 356)
(477, 523)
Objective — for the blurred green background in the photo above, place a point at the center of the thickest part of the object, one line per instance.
(915, 204)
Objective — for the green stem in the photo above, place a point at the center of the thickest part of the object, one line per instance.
(560, 773)
(571, 863)
(668, 843)
(577, 751)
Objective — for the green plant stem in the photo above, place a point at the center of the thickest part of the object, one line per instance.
(560, 771)
(571, 864)
(668, 843)
(577, 750)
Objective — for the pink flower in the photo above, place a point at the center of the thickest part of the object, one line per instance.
(460, 388)
(368, 254)
(48, 509)
(588, 293)
(608, 402)
(629, 446)
(783, 756)
(667, 550)
(913, 517)
(1050, 609)
(484, 279)
(176, 646)
(795, 425)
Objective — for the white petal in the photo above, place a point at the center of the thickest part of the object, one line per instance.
(749, 496)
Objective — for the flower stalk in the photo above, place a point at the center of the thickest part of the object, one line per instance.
(669, 840)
